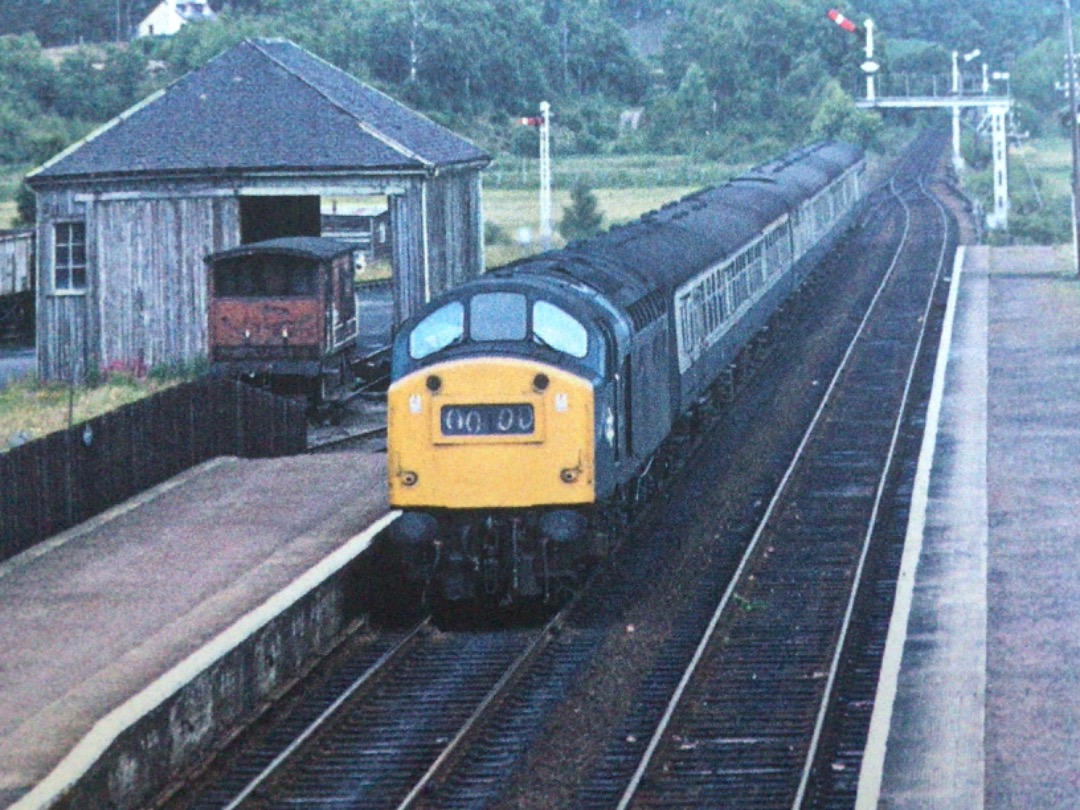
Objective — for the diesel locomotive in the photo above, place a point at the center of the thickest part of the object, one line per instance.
(527, 405)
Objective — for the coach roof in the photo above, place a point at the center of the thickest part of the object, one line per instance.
(263, 105)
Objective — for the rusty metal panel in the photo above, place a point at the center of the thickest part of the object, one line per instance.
(266, 328)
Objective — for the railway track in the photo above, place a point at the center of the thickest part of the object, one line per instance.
(447, 720)
(742, 726)
(383, 727)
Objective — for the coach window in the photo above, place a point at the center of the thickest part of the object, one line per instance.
(438, 330)
(559, 330)
(69, 266)
(497, 316)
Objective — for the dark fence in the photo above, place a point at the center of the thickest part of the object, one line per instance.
(56, 482)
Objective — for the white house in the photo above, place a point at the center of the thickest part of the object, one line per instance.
(169, 16)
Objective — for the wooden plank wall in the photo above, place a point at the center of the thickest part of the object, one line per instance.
(407, 228)
(55, 482)
(145, 302)
(146, 298)
(454, 238)
(150, 302)
(16, 256)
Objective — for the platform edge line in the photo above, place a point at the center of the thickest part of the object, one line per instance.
(872, 768)
(108, 729)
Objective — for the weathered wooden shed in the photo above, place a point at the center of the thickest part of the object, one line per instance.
(16, 256)
(239, 151)
(16, 285)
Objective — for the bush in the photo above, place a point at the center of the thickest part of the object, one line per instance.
(582, 218)
(495, 234)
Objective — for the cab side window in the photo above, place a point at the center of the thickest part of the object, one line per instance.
(560, 330)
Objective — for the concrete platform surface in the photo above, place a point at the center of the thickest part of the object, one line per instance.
(92, 618)
(978, 700)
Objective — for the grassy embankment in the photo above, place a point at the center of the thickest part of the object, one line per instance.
(1040, 172)
(29, 410)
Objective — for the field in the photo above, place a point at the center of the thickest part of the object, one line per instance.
(10, 177)
(517, 214)
(1049, 159)
(1040, 171)
(8, 213)
(610, 171)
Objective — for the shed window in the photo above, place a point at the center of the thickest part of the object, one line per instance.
(69, 267)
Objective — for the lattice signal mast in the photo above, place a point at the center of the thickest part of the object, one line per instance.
(543, 121)
(996, 109)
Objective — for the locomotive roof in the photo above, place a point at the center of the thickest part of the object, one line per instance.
(319, 248)
(665, 247)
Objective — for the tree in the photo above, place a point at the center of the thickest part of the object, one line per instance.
(582, 218)
(746, 52)
(839, 119)
(693, 99)
(26, 205)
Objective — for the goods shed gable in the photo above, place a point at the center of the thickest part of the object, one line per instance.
(263, 105)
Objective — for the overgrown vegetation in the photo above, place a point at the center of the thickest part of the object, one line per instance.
(698, 81)
(1040, 201)
(30, 409)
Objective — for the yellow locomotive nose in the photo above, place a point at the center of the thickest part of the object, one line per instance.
(490, 433)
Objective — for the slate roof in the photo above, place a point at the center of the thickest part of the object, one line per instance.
(263, 105)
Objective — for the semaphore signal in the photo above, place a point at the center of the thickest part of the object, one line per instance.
(544, 122)
(843, 21)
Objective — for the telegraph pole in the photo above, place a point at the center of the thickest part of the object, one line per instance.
(543, 122)
(1071, 57)
(545, 175)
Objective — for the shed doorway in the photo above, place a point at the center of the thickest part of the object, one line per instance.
(263, 218)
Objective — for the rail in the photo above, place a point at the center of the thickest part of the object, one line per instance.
(729, 599)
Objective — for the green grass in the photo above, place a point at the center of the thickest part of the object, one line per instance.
(609, 171)
(1049, 159)
(10, 178)
(518, 210)
(30, 410)
(8, 214)
(1040, 180)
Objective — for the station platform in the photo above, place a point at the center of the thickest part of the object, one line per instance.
(130, 644)
(977, 703)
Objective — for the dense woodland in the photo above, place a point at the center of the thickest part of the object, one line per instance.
(715, 78)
